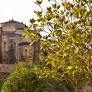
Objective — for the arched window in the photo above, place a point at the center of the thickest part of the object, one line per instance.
(5, 47)
(26, 52)
(15, 44)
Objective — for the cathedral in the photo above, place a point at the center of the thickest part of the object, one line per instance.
(13, 46)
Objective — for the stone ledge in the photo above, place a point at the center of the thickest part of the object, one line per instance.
(6, 68)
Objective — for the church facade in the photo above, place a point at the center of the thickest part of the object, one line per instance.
(13, 46)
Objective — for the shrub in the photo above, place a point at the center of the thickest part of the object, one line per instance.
(1, 83)
(21, 80)
(26, 78)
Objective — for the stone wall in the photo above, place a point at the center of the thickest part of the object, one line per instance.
(86, 87)
(5, 70)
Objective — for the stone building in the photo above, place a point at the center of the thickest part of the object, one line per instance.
(13, 46)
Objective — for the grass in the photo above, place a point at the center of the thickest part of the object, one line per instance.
(1, 83)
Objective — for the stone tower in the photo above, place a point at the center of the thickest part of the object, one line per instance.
(13, 46)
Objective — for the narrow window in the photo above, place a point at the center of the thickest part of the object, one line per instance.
(5, 46)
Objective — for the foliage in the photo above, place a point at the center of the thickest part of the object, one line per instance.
(1, 84)
(66, 52)
(28, 78)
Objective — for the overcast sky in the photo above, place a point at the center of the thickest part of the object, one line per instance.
(19, 10)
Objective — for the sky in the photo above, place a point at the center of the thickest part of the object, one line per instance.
(19, 10)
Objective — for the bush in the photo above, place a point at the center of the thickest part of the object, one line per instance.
(1, 84)
(25, 78)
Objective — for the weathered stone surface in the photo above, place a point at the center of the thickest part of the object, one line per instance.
(6, 68)
(85, 86)
(10, 38)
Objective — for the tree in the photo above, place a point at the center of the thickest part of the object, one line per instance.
(66, 51)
